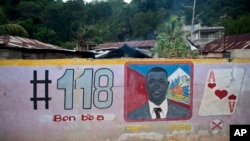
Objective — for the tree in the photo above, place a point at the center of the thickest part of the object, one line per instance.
(57, 22)
(171, 42)
(44, 33)
(237, 26)
(149, 23)
(11, 28)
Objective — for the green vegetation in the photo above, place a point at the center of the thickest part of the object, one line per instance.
(10, 28)
(59, 23)
(171, 42)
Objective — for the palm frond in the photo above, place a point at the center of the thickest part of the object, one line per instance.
(13, 29)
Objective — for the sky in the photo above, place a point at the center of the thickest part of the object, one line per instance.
(127, 1)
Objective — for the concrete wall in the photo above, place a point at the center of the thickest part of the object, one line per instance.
(7, 54)
(240, 53)
(79, 99)
(19, 53)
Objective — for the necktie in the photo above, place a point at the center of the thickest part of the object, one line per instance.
(157, 112)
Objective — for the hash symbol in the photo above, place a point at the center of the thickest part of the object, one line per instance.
(45, 82)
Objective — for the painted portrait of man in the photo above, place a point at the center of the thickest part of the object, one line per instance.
(158, 105)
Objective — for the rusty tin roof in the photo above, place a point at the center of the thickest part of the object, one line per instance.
(21, 42)
(227, 43)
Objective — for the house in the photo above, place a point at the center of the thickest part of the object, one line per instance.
(85, 45)
(145, 47)
(14, 47)
(202, 35)
(231, 46)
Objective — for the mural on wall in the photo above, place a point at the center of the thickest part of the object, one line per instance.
(221, 92)
(156, 91)
(114, 99)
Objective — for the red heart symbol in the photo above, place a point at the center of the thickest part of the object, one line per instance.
(232, 97)
(221, 93)
(211, 85)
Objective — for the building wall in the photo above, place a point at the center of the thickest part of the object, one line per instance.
(80, 99)
(36, 54)
(240, 53)
(10, 54)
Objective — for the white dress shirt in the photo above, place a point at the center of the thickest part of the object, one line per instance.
(163, 106)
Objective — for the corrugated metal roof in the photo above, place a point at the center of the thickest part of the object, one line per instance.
(136, 44)
(230, 42)
(20, 42)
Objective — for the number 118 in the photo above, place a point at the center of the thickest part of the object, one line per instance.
(90, 84)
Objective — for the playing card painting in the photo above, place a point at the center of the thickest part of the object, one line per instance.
(221, 91)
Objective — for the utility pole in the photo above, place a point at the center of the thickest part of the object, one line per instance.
(224, 24)
(193, 17)
(192, 24)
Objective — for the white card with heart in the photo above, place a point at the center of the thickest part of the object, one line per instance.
(222, 91)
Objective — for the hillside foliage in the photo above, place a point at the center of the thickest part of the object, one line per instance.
(59, 23)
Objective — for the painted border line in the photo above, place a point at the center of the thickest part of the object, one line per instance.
(79, 61)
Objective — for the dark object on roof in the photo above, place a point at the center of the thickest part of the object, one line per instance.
(228, 43)
(133, 44)
(124, 51)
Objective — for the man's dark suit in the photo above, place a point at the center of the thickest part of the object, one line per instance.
(174, 111)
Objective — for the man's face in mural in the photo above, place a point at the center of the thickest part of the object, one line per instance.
(157, 85)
